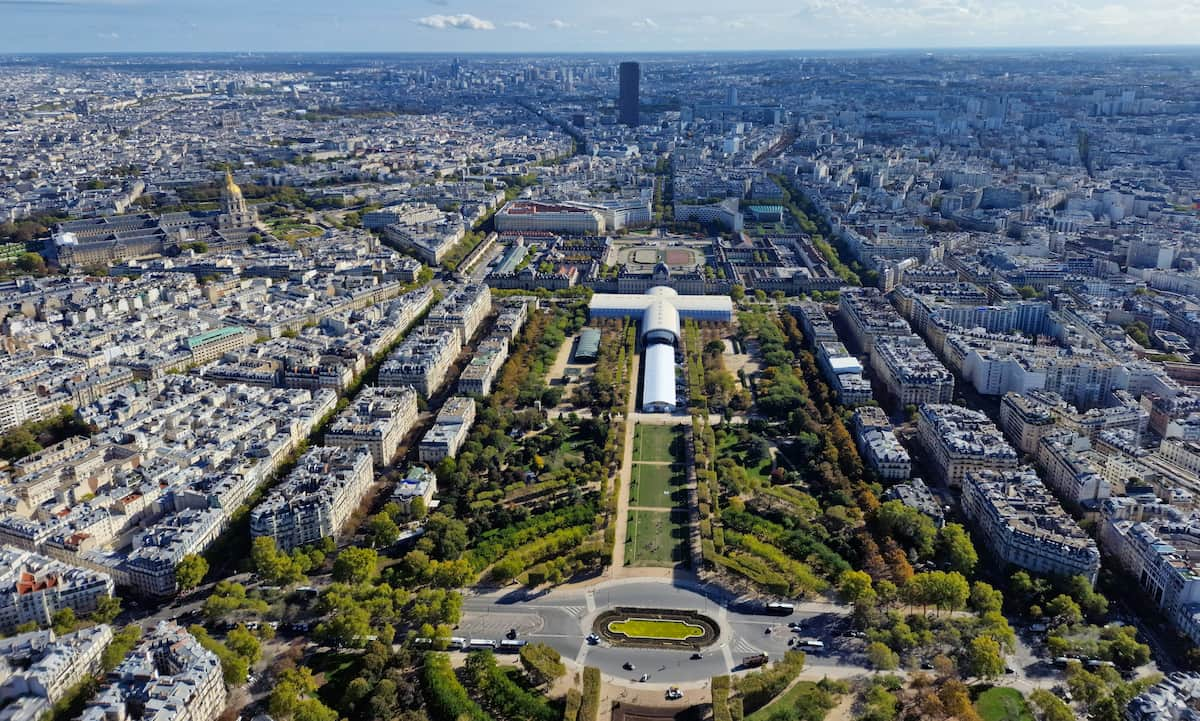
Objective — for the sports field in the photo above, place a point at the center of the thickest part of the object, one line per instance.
(655, 538)
(656, 629)
(657, 486)
(654, 443)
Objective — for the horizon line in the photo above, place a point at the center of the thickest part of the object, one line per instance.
(696, 51)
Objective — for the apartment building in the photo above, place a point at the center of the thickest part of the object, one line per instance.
(1025, 420)
(316, 499)
(960, 441)
(483, 368)
(36, 587)
(418, 483)
(870, 317)
(1026, 417)
(917, 496)
(449, 431)
(1073, 470)
(422, 360)
(149, 568)
(169, 676)
(1159, 546)
(1172, 699)
(879, 446)
(1025, 526)
(844, 373)
(463, 310)
(378, 420)
(814, 322)
(213, 344)
(910, 372)
(45, 666)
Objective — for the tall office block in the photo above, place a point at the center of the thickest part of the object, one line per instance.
(627, 102)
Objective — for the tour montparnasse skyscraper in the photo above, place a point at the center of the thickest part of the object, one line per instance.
(627, 101)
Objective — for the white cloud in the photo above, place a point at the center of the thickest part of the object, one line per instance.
(558, 24)
(519, 25)
(463, 21)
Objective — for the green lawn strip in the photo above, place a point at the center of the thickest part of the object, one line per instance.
(656, 629)
(802, 697)
(1002, 704)
(655, 538)
(653, 443)
(653, 485)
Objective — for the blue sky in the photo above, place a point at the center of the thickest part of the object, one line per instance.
(592, 25)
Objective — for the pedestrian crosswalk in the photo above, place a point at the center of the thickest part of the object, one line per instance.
(744, 646)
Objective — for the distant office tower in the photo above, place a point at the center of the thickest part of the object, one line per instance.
(627, 102)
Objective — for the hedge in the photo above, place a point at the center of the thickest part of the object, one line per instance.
(542, 662)
(446, 697)
(758, 688)
(720, 699)
(590, 710)
(574, 703)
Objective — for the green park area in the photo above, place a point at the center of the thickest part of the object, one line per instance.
(656, 444)
(645, 628)
(657, 486)
(1002, 704)
(655, 538)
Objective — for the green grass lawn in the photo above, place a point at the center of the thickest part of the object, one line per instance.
(655, 538)
(653, 628)
(805, 697)
(339, 669)
(656, 486)
(1002, 704)
(727, 448)
(653, 443)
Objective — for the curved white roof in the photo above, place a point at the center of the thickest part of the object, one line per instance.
(658, 384)
(659, 318)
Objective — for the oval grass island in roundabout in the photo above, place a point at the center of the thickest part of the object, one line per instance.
(656, 628)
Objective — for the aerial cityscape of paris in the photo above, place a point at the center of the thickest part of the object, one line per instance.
(442, 360)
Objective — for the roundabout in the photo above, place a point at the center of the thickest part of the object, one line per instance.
(604, 625)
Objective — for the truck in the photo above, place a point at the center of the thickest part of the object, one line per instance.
(755, 661)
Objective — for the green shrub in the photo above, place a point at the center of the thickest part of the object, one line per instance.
(590, 709)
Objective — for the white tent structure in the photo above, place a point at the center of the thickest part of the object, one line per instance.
(658, 386)
(661, 309)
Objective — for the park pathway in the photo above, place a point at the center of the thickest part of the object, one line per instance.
(617, 569)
